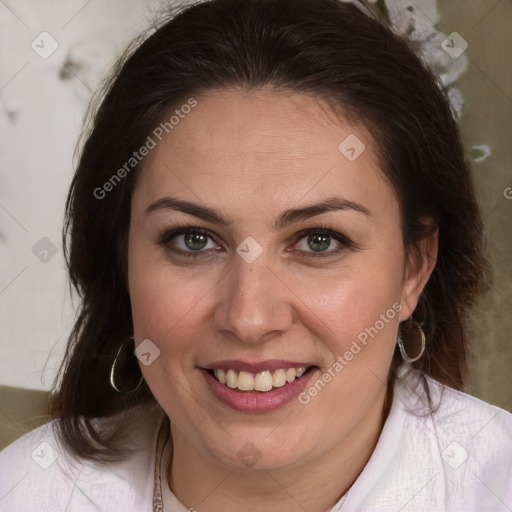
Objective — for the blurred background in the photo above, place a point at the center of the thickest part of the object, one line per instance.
(55, 54)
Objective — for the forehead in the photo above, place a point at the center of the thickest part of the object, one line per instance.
(249, 150)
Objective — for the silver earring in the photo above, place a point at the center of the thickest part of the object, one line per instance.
(405, 357)
(113, 369)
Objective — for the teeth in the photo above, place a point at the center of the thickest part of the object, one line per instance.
(245, 381)
(232, 379)
(279, 378)
(221, 376)
(291, 373)
(262, 381)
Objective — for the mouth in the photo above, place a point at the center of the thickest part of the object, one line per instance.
(261, 382)
(262, 386)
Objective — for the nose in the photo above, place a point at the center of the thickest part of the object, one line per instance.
(255, 304)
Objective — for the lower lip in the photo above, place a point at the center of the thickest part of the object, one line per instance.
(257, 401)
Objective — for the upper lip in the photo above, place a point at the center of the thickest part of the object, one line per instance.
(255, 367)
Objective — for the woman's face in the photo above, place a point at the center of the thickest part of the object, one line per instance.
(263, 289)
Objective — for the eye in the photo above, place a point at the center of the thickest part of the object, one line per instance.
(322, 242)
(190, 241)
(195, 242)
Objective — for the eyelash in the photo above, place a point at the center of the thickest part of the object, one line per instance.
(172, 232)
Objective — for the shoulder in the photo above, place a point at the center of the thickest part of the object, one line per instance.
(464, 416)
(36, 472)
(39, 474)
(469, 443)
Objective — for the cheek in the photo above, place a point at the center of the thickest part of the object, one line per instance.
(165, 302)
(355, 313)
(347, 303)
(355, 317)
(168, 310)
(165, 306)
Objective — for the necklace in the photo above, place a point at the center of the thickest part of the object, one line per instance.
(162, 439)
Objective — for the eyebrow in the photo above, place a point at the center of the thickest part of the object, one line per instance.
(284, 219)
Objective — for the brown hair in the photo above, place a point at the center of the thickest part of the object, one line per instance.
(326, 48)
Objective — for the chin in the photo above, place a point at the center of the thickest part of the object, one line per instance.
(262, 450)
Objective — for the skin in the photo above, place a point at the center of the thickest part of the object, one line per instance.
(251, 156)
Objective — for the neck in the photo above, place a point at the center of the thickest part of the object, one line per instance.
(203, 483)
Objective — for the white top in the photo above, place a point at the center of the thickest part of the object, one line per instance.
(458, 458)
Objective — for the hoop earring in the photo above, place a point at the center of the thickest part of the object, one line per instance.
(405, 357)
(113, 369)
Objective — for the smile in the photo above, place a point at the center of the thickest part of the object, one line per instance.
(257, 387)
(265, 380)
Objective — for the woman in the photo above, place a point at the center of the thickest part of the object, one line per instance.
(277, 244)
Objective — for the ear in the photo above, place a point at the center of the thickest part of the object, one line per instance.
(420, 263)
